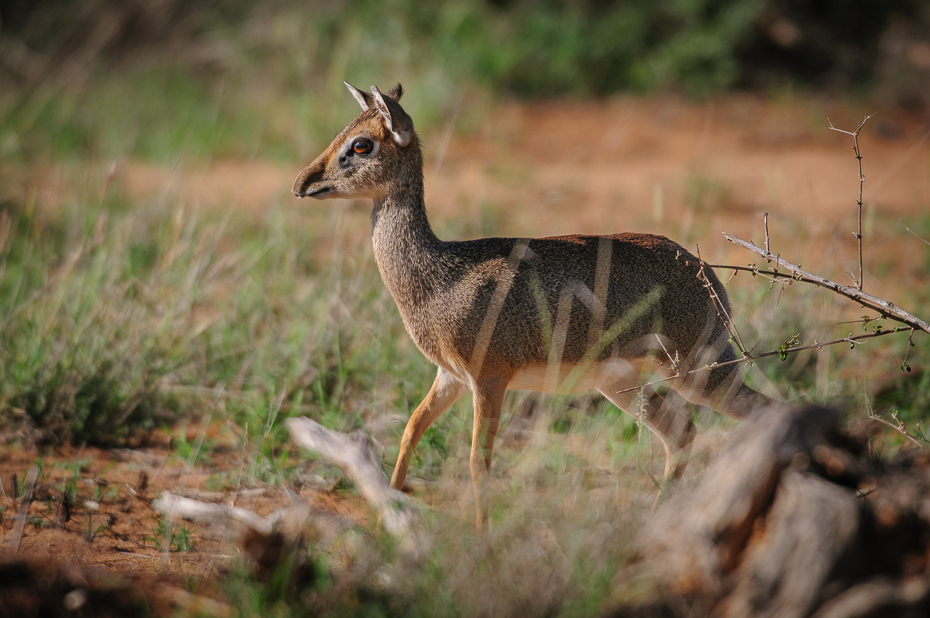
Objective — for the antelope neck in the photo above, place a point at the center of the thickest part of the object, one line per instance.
(408, 253)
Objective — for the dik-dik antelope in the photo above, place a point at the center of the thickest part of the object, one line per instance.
(558, 314)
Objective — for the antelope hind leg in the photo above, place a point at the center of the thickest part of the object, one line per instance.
(673, 428)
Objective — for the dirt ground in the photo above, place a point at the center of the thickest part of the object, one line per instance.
(661, 165)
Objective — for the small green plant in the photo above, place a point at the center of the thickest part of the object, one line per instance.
(69, 488)
(37, 521)
(193, 452)
(165, 534)
(93, 529)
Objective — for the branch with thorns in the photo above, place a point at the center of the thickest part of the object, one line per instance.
(899, 426)
(785, 273)
(858, 234)
(792, 273)
(787, 347)
(722, 312)
(796, 273)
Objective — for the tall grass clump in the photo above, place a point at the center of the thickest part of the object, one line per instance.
(120, 315)
(89, 328)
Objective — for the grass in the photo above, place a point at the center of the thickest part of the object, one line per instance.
(122, 316)
(115, 320)
(171, 536)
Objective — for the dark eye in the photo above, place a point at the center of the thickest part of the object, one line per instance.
(362, 146)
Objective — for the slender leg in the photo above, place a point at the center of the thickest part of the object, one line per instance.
(673, 428)
(445, 391)
(489, 397)
(721, 389)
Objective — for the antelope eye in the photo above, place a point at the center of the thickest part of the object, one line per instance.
(362, 146)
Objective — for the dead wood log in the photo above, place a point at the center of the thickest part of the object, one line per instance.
(809, 527)
(795, 519)
(881, 597)
(736, 490)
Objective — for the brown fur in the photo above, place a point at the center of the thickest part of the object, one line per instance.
(554, 314)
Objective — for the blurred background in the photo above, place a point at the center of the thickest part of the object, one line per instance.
(245, 78)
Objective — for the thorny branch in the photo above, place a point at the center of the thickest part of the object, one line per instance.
(782, 352)
(855, 136)
(765, 221)
(722, 312)
(910, 344)
(796, 273)
(671, 359)
(898, 425)
(792, 273)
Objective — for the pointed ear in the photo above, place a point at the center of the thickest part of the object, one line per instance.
(395, 118)
(363, 98)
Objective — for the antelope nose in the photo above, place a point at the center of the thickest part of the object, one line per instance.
(307, 177)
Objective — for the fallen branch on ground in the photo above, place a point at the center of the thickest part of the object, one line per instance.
(208, 512)
(355, 455)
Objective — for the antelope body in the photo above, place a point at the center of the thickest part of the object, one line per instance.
(557, 314)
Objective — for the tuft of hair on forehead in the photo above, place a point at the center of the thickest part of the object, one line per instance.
(397, 92)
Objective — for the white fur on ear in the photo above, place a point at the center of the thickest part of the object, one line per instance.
(402, 138)
(363, 98)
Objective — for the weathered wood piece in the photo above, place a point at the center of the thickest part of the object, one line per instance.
(355, 455)
(208, 512)
(795, 519)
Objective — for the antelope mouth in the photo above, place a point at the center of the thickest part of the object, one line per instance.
(320, 193)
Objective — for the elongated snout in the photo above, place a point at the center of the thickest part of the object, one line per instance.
(309, 183)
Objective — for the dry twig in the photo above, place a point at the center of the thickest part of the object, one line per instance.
(899, 426)
(765, 222)
(916, 234)
(796, 273)
(855, 136)
(781, 352)
(722, 312)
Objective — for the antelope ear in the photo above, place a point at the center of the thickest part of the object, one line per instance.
(363, 98)
(395, 118)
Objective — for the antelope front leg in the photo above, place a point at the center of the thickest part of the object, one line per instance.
(489, 397)
(445, 391)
